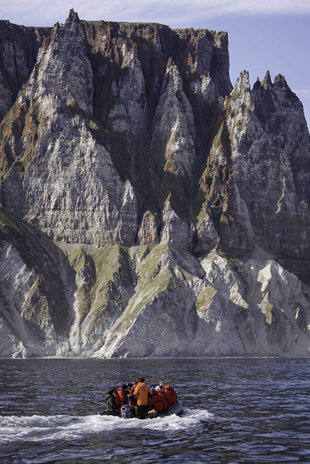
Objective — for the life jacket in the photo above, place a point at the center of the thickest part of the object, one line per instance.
(118, 403)
(170, 394)
(156, 402)
(142, 392)
(163, 398)
(122, 396)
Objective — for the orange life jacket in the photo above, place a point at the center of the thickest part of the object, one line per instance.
(163, 398)
(118, 403)
(170, 394)
(156, 402)
(122, 396)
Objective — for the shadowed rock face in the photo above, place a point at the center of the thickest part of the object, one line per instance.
(147, 207)
(19, 47)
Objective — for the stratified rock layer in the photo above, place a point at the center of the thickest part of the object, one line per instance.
(147, 207)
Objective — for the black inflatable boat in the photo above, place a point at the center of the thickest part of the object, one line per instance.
(127, 411)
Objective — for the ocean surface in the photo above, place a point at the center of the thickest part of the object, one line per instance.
(236, 411)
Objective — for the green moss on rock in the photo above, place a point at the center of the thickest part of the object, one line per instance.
(8, 226)
(205, 299)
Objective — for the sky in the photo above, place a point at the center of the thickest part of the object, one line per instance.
(263, 35)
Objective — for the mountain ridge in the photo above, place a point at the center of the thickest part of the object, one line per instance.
(163, 211)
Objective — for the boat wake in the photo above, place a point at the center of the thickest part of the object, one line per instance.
(38, 428)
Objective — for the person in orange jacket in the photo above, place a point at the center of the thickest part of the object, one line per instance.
(170, 394)
(142, 392)
(118, 402)
(123, 394)
(156, 402)
(162, 396)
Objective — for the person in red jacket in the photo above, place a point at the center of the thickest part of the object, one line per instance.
(170, 394)
(117, 401)
(123, 394)
(162, 396)
(156, 402)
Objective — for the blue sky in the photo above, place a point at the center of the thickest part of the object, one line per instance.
(263, 34)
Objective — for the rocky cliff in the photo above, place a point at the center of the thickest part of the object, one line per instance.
(148, 208)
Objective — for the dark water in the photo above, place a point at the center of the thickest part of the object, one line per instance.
(236, 411)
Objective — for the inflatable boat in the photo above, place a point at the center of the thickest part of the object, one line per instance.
(128, 412)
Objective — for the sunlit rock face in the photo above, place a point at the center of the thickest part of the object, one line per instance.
(148, 208)
(271, 163)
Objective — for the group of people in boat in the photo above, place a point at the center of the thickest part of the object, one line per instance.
(141, 398)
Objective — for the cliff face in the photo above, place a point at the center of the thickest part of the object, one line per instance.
(147, 207)
(19, 47)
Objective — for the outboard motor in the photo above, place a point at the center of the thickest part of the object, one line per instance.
(126, 411)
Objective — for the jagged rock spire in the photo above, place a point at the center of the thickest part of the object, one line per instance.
(280, 80)
(243, 82)
(266, 82)
(73, 16)
(63, 67)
